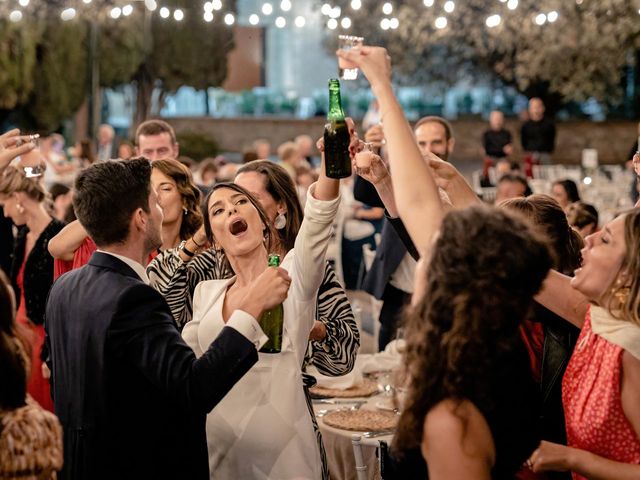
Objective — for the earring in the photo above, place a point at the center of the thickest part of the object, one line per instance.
(280, 222)
(622, 295)
(185, 211)
(20, 208)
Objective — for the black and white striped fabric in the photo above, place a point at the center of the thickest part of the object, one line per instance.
(176, 281)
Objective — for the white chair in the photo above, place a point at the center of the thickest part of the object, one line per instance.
(361, 467)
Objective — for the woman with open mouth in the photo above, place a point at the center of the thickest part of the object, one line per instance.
(262, 428)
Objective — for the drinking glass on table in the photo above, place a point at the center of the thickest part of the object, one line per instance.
(347, 70)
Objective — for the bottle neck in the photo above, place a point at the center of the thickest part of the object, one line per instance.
(335, 105)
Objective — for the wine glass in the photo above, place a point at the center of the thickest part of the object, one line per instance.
(347, 70)
(31, 163)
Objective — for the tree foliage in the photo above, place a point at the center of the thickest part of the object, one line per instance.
(60, 76)
(188, 53)
(17, 62)
(44, 61)
(580, 55)
(121, 50)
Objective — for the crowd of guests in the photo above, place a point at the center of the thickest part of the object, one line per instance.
(131, 334)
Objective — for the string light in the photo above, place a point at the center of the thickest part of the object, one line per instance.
(493, 21)
(285, 5)
(334, 12)
(68, 14)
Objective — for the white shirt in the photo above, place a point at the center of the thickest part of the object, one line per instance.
(240, 321)
(403, 277)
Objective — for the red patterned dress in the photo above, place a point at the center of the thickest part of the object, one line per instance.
(592, 402)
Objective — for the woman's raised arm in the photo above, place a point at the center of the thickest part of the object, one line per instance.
(416, 194)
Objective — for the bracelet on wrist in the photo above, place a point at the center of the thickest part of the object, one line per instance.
(183, 248)
(193, 239)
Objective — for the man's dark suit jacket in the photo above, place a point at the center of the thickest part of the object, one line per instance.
(391, 250)
(129, 392)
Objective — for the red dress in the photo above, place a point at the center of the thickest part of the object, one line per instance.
(592, 403)
(81, 257)
(38, 386)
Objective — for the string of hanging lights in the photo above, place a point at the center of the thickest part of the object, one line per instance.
(278, 15)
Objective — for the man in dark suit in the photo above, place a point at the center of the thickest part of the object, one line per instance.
(390, 277)
(130, 394)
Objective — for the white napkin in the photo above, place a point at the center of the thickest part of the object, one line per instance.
(389, 359)
(351, 379)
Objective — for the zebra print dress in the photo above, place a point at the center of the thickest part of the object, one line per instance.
(334, 356)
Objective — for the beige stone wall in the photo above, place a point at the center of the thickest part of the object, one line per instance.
(612, 139)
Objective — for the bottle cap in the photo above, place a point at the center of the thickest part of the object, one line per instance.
(274, 260)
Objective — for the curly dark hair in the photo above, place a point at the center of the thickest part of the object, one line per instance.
(188, 191)
(485, 267)
(546, 214)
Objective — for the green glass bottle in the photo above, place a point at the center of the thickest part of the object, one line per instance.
(272, 320)
(336, 136)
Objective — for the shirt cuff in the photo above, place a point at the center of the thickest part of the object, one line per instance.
(246, 325)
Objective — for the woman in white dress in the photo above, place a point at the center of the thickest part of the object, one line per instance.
(262, 429)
